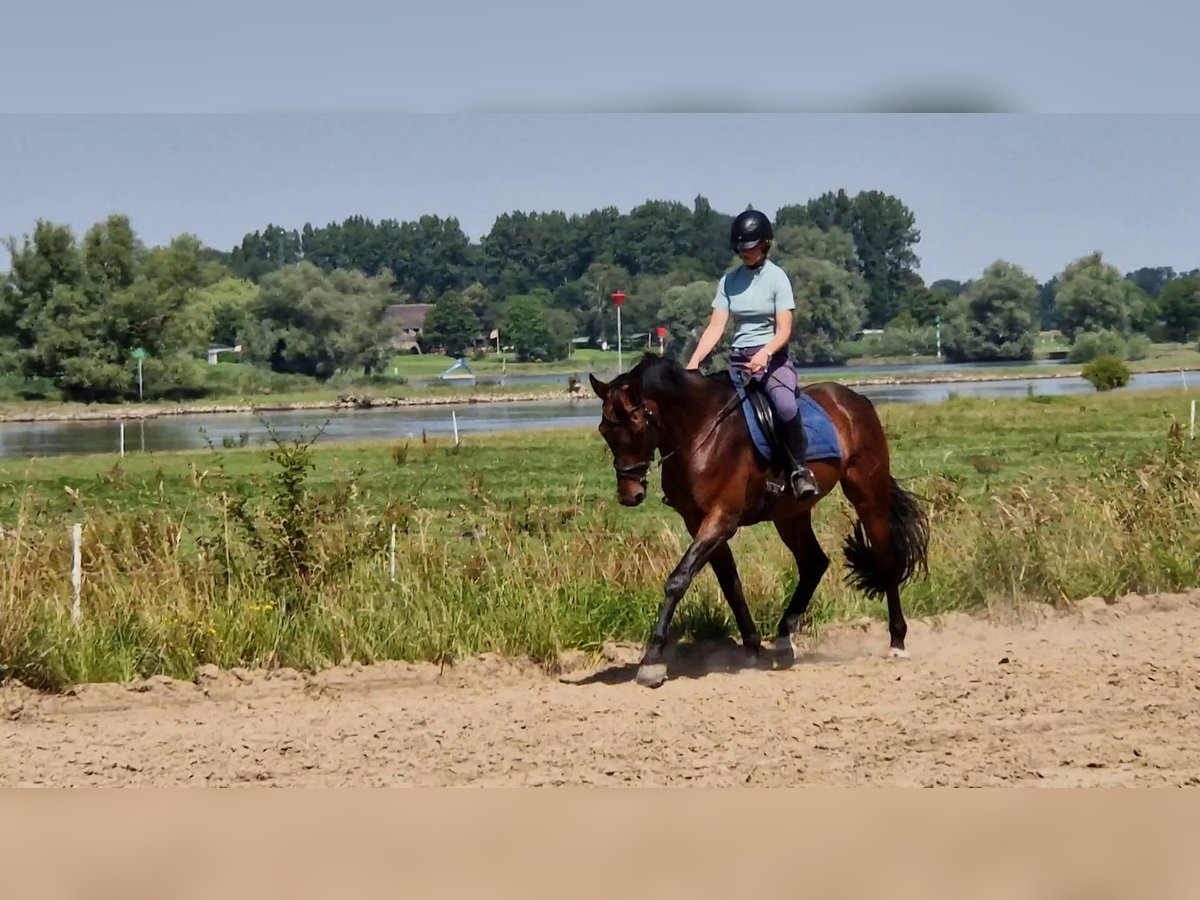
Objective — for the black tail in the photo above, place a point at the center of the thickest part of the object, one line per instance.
(909, 527)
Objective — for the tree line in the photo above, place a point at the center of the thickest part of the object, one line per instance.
(310, 302)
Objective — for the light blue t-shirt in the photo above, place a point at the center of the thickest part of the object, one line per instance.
(752, 297)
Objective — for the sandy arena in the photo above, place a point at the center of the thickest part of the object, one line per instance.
(1102, 695)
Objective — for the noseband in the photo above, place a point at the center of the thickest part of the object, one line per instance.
(640, 471)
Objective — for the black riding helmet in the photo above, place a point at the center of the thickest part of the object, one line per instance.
(748, 229)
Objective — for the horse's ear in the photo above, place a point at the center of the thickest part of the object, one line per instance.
(600, 388)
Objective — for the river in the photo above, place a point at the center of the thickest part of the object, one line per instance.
(197, 431)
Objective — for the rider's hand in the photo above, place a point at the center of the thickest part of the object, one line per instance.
(759, 361)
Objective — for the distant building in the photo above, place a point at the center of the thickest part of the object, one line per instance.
(406, 321)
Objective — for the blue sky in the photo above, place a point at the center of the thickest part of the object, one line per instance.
(219, 118)
(791, 55)
(1035, 189)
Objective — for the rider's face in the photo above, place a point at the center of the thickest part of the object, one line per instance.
(753, 255)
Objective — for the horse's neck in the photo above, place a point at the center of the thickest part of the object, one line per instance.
(686, 418)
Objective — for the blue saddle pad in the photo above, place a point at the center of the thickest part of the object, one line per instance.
(821, 440)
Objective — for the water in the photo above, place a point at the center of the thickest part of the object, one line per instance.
(190, 432)
(814, 373)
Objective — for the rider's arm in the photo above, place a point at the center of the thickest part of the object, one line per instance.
(783, 332)
(785, 303)
(708, 339)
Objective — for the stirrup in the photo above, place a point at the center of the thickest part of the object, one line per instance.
(803, 483)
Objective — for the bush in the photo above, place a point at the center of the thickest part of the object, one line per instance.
(1106, 372)
(1092, 345)
(16, 387)
(1138, 347)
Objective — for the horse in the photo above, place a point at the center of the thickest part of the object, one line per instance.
(720, 472)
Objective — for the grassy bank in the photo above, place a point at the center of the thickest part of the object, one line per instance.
(515, 543)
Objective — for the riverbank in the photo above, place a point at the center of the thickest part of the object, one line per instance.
(70, 412)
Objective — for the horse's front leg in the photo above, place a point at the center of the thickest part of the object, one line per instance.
(731, 586)
(713, 532)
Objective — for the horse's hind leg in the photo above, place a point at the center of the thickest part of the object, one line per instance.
(811, 563)
(888, 544)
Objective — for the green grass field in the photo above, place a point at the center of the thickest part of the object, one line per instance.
(515, 543)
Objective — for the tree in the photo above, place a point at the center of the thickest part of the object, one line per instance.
(309, 322)
(1047, 312)
(830, 294)
(9, 310)
(267, 251)
(154, 311)
(1092, 295)
(833, 244)
(684, 312)
(885, 235)
(654, 236)
(995, 318)
(884, 232)
(710, 236)
(830, 309)
(451, 324)
(110, 254)
(1179, 308)
(532, 331)
(57, 314)
(598, 282)
(925, 304)
(951, 286)
(221, 312)
(1152, 280)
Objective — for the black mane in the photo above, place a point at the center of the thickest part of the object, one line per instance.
(663, 376)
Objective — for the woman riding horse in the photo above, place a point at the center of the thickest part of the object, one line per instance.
(757, 295)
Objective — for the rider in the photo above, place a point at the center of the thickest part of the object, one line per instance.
(758, 295)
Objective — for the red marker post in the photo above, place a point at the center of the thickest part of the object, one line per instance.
(618, 297)
(662, 338)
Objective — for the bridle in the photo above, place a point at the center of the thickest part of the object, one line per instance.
(641, 470)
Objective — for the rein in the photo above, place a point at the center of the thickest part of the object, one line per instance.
(641, 470)
(725, 410)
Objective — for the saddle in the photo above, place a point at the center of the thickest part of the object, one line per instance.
(821, 440)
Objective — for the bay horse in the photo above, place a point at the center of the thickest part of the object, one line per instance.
(718, 480)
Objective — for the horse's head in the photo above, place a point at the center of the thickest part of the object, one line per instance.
(629, 425)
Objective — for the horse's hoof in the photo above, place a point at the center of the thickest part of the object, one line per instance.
(785, 653)
(652, 676)
(898, 653)
(762, 662)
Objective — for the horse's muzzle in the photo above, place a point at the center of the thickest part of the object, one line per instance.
(636, 473)
(631, 499)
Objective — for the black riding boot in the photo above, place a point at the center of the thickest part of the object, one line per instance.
(804, 485)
